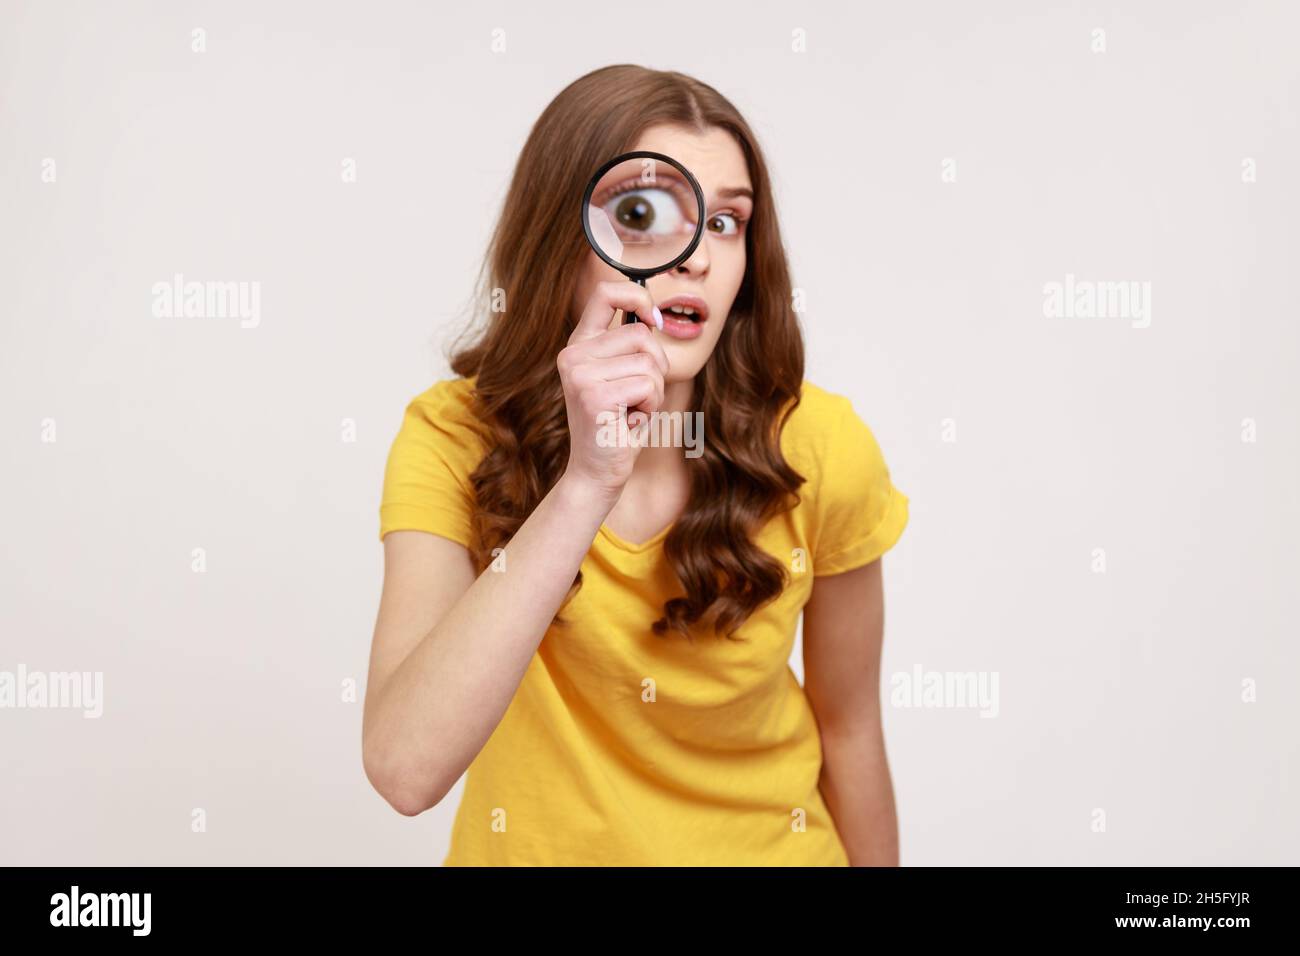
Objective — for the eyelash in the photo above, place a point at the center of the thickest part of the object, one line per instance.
(740, 220)
(633, 184)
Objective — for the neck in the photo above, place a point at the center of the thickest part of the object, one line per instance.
(678, 395)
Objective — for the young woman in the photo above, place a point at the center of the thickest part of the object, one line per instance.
(601, 633)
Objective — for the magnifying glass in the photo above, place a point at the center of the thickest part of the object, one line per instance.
(643, 213)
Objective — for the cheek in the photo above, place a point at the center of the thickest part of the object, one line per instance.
(729, 270)
(731, 258)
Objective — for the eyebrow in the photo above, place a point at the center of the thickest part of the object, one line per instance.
(731, 192)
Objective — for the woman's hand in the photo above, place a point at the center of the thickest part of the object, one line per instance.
(602, 369)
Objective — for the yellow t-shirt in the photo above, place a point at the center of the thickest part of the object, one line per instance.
(721, 767)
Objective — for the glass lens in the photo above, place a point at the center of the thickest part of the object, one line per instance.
(643, 213)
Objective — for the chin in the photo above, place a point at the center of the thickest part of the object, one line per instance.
(685, 359)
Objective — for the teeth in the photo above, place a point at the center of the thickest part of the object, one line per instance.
(681, 309)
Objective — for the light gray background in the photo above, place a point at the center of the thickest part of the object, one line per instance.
(1120, 691)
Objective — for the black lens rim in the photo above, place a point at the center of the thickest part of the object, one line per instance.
(628, 271)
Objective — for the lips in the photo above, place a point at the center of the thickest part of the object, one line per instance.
(679, 307)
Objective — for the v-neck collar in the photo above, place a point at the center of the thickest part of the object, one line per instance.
(624, 545)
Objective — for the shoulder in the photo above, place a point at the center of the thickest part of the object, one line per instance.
(855, 511)
(442, 422)
(820, 430)
(449, 408)
(451, 399)
(436, 449)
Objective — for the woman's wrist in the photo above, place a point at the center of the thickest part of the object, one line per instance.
(585, 496)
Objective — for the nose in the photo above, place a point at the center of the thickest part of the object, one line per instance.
(698, 263)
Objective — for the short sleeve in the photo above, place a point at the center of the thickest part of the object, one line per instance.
(860, 514)
(426, 479)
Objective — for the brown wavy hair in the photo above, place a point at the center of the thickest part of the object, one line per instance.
(746, 390)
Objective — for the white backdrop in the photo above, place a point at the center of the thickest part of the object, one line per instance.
(1103, 509)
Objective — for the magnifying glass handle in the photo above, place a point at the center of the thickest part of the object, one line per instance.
(630, 317)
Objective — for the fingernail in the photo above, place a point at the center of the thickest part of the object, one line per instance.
(659, 319)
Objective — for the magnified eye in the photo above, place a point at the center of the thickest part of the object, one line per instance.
(723, 223)
(653, 211)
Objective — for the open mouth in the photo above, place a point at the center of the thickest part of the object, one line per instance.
(685, 308)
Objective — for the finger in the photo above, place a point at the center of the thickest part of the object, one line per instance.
(625, 340)
(637, 392)
(616, 367)
(609, 296)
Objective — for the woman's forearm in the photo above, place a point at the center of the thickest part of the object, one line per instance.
(439, 707)
(859, 793)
